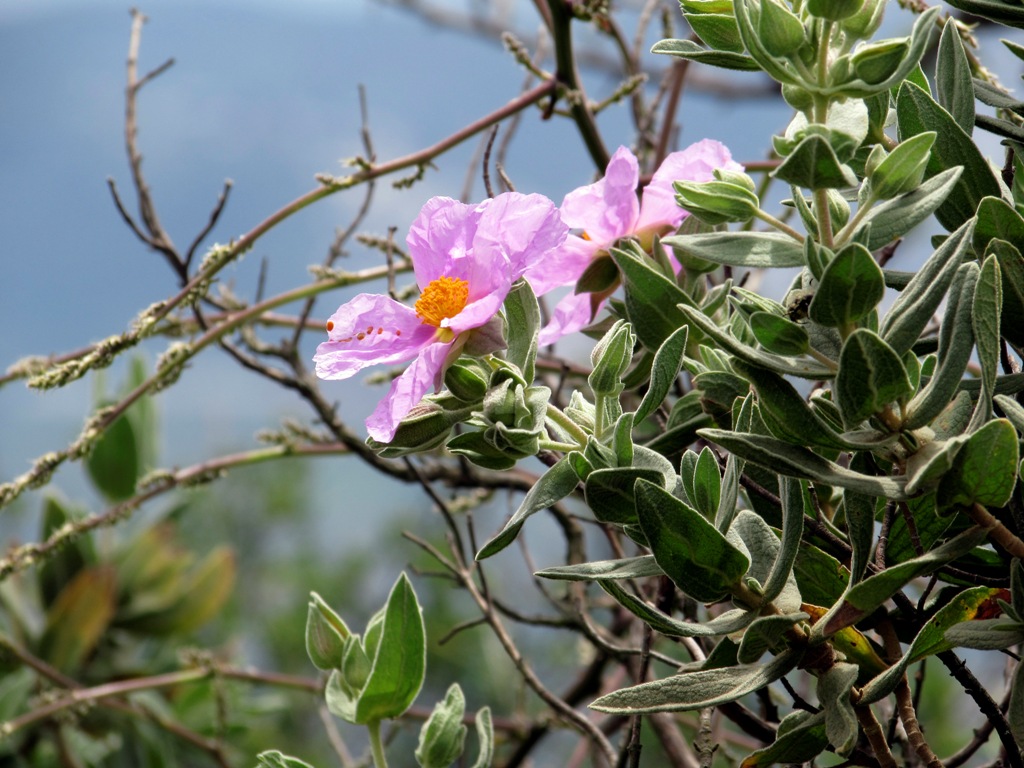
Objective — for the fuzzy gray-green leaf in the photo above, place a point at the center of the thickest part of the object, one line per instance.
(870, 377)
(741, 249)
(688, 547)
(554, 485)
(914, 308)
(696, 690)
(850, 288)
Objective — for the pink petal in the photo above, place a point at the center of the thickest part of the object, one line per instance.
(563, 266)
(370, 330)
(571, 313)
(607, 209)
(519, 228)
(407, 391)
(479, 312)
(441, 234)
(659, 211)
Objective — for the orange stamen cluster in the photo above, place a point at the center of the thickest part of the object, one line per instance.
(441, 300)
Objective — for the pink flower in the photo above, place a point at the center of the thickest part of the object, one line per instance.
(608, 210)
(466, 258)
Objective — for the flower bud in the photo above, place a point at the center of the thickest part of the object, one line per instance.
(903, 169)
(443, 736)
(325, 634)
(426, 427)
(838, 209)
(716, 202)
(718, 30)
(581, 411)
(876, 62)
(834, 10)
(875, 158)
(611, 357)
(739, 178)
(466, 380)
(355, 665)
(780, 30)
(865, 22)
(798, 98)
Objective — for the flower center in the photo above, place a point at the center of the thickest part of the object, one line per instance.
(442, 299)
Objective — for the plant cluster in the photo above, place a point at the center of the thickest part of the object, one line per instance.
(799, 501)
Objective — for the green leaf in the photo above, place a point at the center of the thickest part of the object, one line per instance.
(78, 618)
(913, 310)
(779, 335)
(813, 164)
(903, 169)
(609, 492)
(820, 577)
(1000, 11)
(741, 249)
(664, 370)
(776, 69)
(834, 689)
(275, 759)
(62, 566)
(600, 275)
(718, 30)
(554, 485)
(782, 575)
(985, 469)
(850, 288)
(800, 738)
(199, 595)
(687, 547)
(786, 413)
(624, 568)
(1015, 711)
(956, 345)
(986, 634)
(892, 219)
(688, 49)
(113, 462)
(475, 447)
(443, 736)
(777, 363)
(752, 536)
(1011, 266)
(917, 112)
(399, 664)
(860, 521)
(953, 84)
(871, 376)
(325, 634)
(485, 735)
(651, 298)
(716, 202)
(696, 690)
(997, 220)
(725, 623)
(988, 304)
(523, 316)
(866, 596)
(766, 634)
(931, 639)
(707, 483)
(797, 461)
(780, 30)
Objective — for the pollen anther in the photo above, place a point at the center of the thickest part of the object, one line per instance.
(442, 299)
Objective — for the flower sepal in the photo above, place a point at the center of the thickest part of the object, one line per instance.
(426, 427)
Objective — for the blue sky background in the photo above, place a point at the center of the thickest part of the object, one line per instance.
(263, 93)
